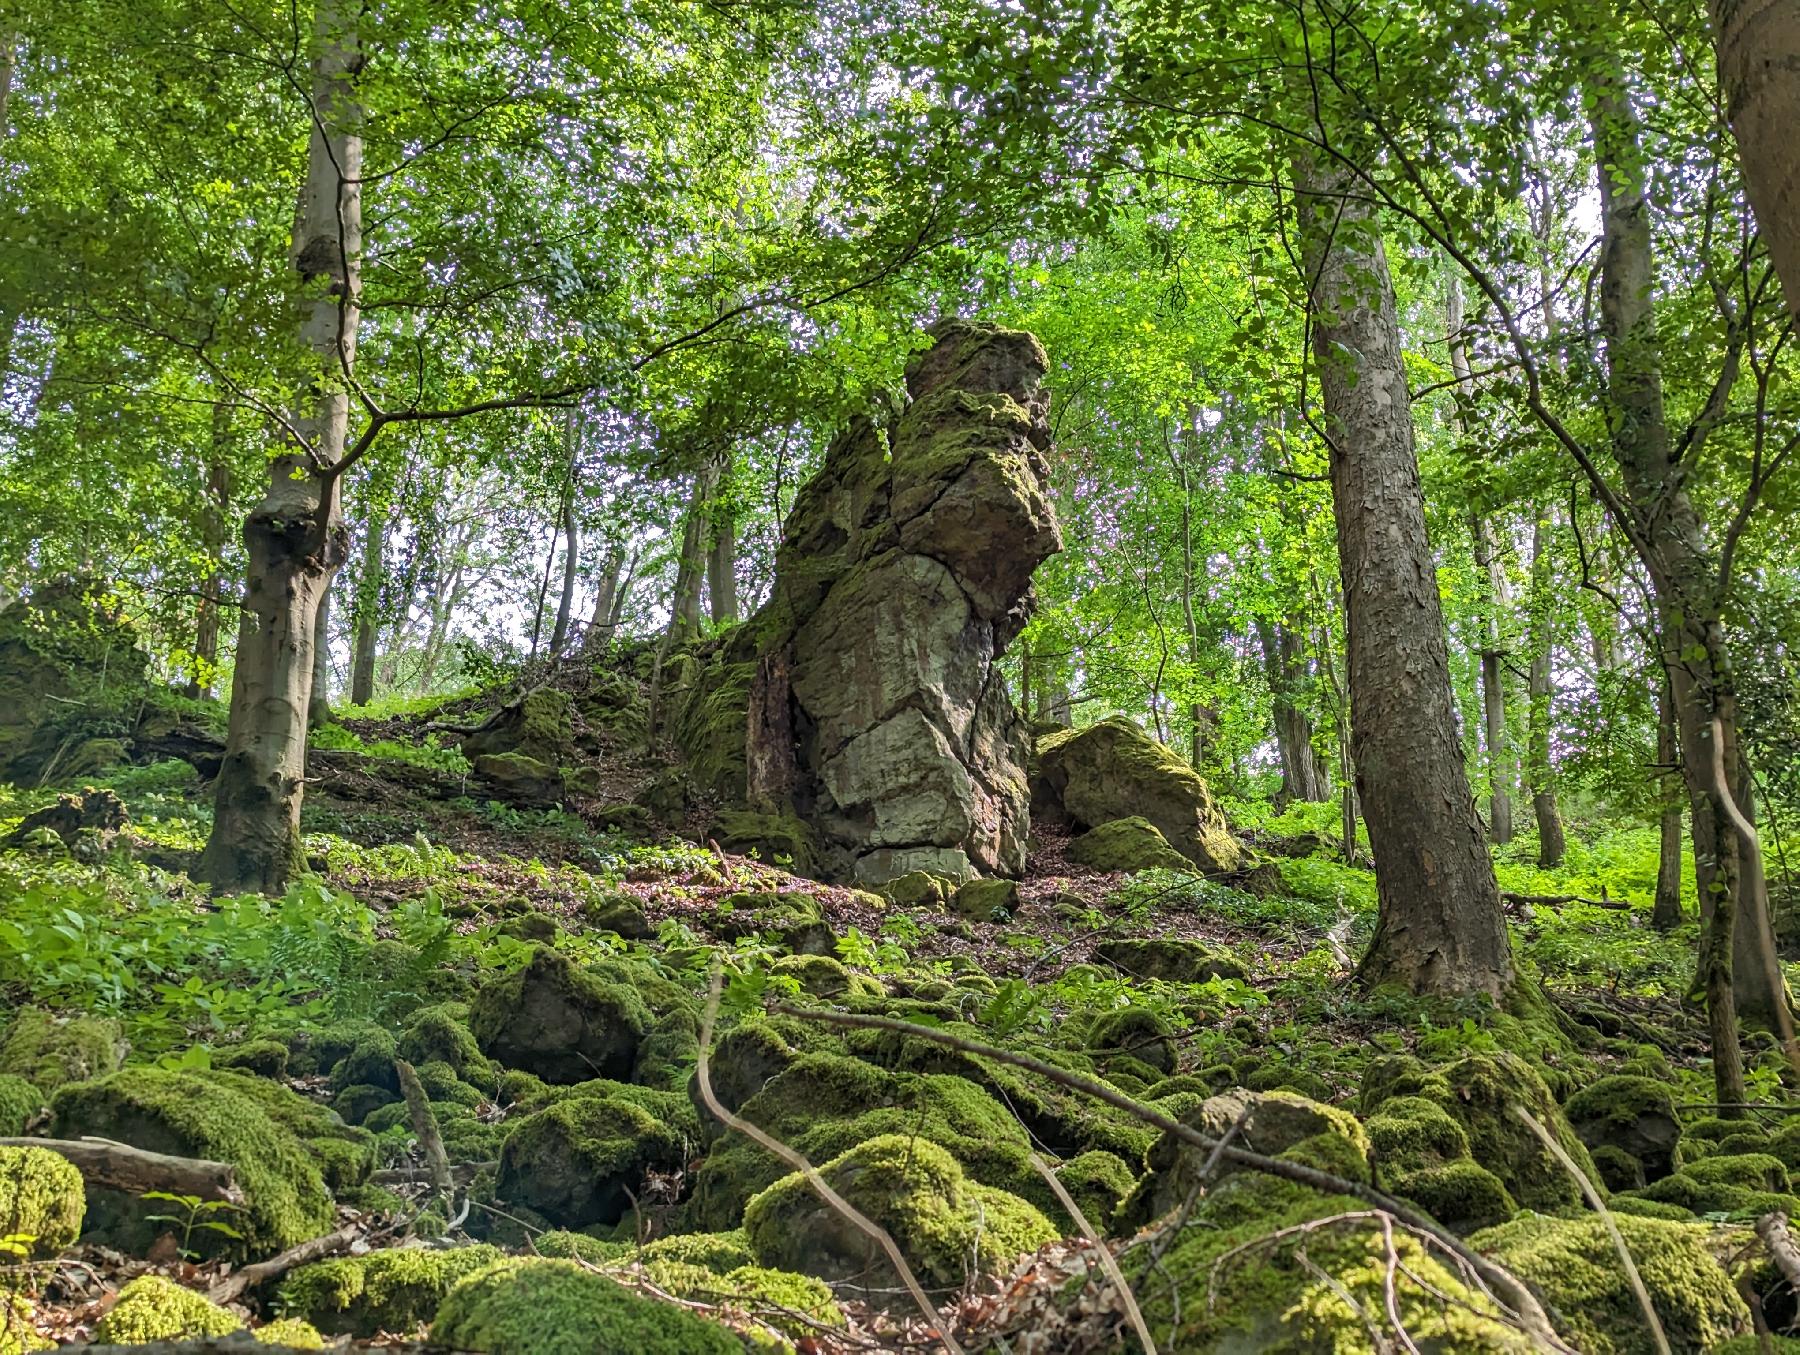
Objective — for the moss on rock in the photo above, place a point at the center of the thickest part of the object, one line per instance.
(917, 1191)
(1139, 1032)
(556, 1307)
(1411, 1133)
(155, 1308)
(580, 1162)
(1462, 1195)
(42, 1199)
(440, 1034)
(396, 1290)
(48, 1050)
(1634, 1115)
(1170, 958)
(822, 976)
(264, 1058)
(191, 1115)
(1098, 1182)
(20, 1102)
(290, 1332)
(1572, 1262)
(1126, 844)
(554, 1020)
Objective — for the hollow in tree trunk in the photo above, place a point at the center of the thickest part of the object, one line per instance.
(295, 538)
(1439, 928)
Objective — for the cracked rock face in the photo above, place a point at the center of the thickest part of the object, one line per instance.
(877, 712)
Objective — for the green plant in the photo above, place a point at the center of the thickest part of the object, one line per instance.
(195, 1215)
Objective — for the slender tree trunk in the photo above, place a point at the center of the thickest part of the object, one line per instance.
(690, 568)
(624, 594)
(1199, 725)
(565, 605)
(1303, 774)
(212, 537)
(1666, 913)
(318, 698)
(443, 606)
(599, 627)
(295, 537)
(721, 569)
(1758, 44)
(368, 601)
(1439, 928)
(1672, 544)
(1756, 980)
(1541, 773)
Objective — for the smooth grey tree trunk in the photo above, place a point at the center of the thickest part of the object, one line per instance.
(368, 603)
(1540, 772)
(1439, 927)
(565, 604)
(1758, 45)
(295, 537)
(213, 507)
(1665, 914)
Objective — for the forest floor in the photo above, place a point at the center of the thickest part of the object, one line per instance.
(418, 901)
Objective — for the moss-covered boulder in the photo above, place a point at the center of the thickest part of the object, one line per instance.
(263, 1058)
(1411, 1133)
(520, 779)
(582, 1161)
(1725, 1183)
(1572, 1263)
(1114, 770)
(291, 1333)
(1138, 1032)
(556, 1307)
(1269, 1123)
(155, 1308)
(536, 726)
(20, 1103)
(1169, 958)
(986, 900)
(41, 1200)
(395, 1290)
(826, 1104)
(1479, 1092)
(48, 1050)
(622, 916)
(190, 1115)
(440, 1034)
(552, 1019)
(1634, 1115)
(1098, 1182)
(796, 1305)
(1126, 844)
(1462, 1195)
(943, 1222)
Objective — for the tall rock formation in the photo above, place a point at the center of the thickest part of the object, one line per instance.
(865, 698)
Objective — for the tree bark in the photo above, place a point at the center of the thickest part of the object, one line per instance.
(1303, 774)
(1541, 773)
(295, 537)
(721, 569)
(212, 537)
(1665, 914)
(1758, 44)
(1756, 982)
(565, 604)
(1670, 541)
(318, 698)
(599, 628)
(1439, 928)
(690, 568)
(368, 603)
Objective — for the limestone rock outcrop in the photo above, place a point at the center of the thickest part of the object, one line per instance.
(865, 698)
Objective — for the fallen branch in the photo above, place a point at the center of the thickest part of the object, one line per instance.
(1529, 1311)
(314, 1249)
(119, 1166)
(425, 1129)
(1558, 900)
(1598, 1205)
(865, 1225)
(461, 1174)
(1772, 1228)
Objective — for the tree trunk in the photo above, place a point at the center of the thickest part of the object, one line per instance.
(599, 628)
(368, 603)
(1666, 913)
(721, 569)
(1755, 978)
(318, 697)
(690, 568)
(1758, 44)
(565, 605)
(295, 537)
(1541, 773)
(1303, 774)
(1670, 541)
(212, 537)
(1439, 928)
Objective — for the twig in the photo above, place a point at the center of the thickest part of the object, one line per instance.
(874, 1231)
(425, 1128)
(1524, 1302)
(1557, 900)
(1108, 1262)
(136, 1170)
(314, 1249)
(1599, 1206)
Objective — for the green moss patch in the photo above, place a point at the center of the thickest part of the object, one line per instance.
(154, 1308)
(397, 1290)
(42, 1199)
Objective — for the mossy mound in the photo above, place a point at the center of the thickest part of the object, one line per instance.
(190, 1115)
(1169, 958)
(154, 1308)
(1572, 1262)
(941, 1220)
(1139, 1032)
(263, 1058)
(795, 1305)
(825, 1104)
(1727, 1183)
(580, 1162)
(556, 1307)
(1479, 1092)
(440, 1034)
(717, 1252)
(1126, 844)
(49, 1050)
(986, 900)
(1634, 1115)
(291, 1333)
(1270, 1123)
(1463, 1195)
(20, 1103)
(1098, 1182)
(554, 1020)
(822, 976)
(1410, 1134)
(42, 1200)
(397, 1290)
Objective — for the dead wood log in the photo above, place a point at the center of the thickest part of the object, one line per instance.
(313, 1249)
(1558, 900)
(136, 1170)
